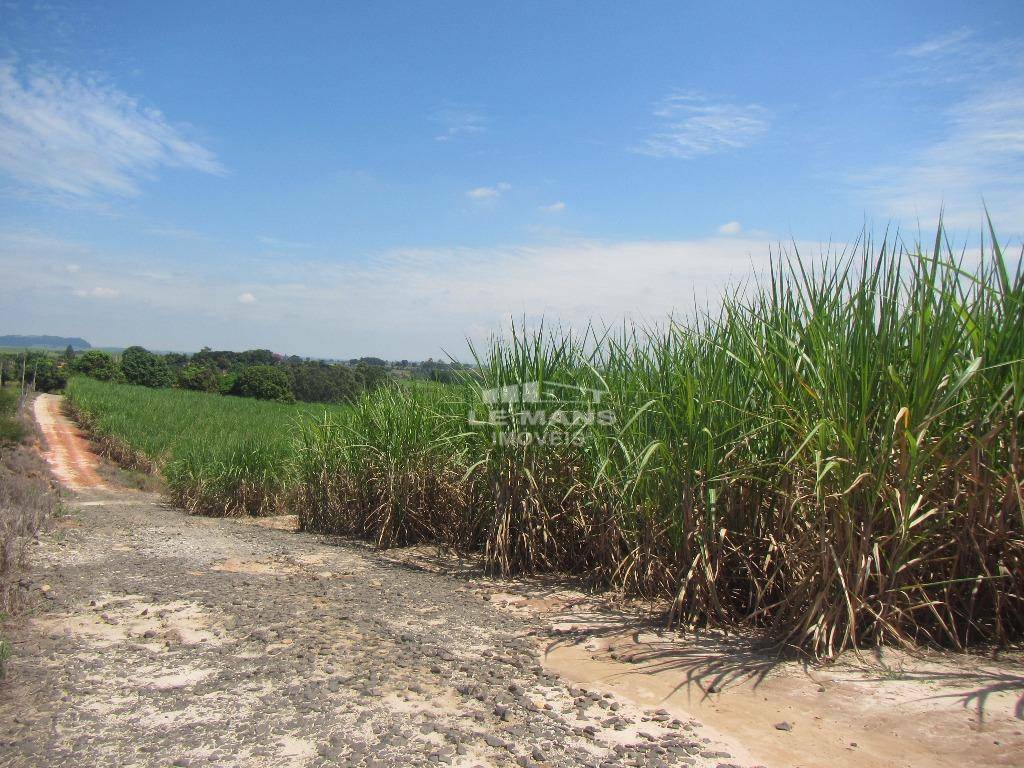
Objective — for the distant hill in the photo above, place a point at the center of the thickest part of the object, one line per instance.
(44, 342)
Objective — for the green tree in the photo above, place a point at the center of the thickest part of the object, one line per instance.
(175, 360)
(140, 366)
(371, 376)
(318, 382)
(264, 382)
(256, 357)
(49, 376)
(97, 365)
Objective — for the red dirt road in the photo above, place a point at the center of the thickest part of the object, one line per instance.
(67, 451)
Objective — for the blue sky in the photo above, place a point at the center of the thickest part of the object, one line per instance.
(391, 178)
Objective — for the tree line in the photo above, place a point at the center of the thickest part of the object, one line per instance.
(257, 373)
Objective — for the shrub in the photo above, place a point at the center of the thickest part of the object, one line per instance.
(96, 364)
(199, 378)
(11, 429)
(264, 382)
(8, 402)
(226, 383)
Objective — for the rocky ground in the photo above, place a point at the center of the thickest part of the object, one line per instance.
(164, 639)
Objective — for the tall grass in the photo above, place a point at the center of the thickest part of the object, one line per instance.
(385, 468)
(833, 456)
(219, 455)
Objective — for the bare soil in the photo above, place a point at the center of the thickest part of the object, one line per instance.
(877, 709)
(161, 639)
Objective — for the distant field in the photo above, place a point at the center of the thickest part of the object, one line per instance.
(219, 455)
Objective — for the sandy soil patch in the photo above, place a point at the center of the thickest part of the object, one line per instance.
(294, 751)
(254, 567)
(112, 620)
(181, 678)
(869, 711)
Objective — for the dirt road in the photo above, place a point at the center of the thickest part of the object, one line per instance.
(163, 639)
(67, 450)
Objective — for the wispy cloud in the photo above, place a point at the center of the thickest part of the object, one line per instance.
(71, 139)
(558, 207)
(489, 193)
(176, 233)
(690, 124)
(957, 57)
(246, 298)
(939, 45)
(456, 120)
(284, 245)
(729, 228)
(979, 151)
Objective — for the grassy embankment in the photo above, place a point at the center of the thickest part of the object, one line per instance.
(833, 456)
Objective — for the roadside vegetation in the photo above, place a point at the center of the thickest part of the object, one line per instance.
(27, 498)
(832, 456)
(39, 370)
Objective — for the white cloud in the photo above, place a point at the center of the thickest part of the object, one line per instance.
(410, 303)
(730, 228)
(489, 193)
(74, 139)
(978, 154)
(73, 267)
(458, 121)
(98, 292)
(689, 125)
(246, 298)
(558, 207)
